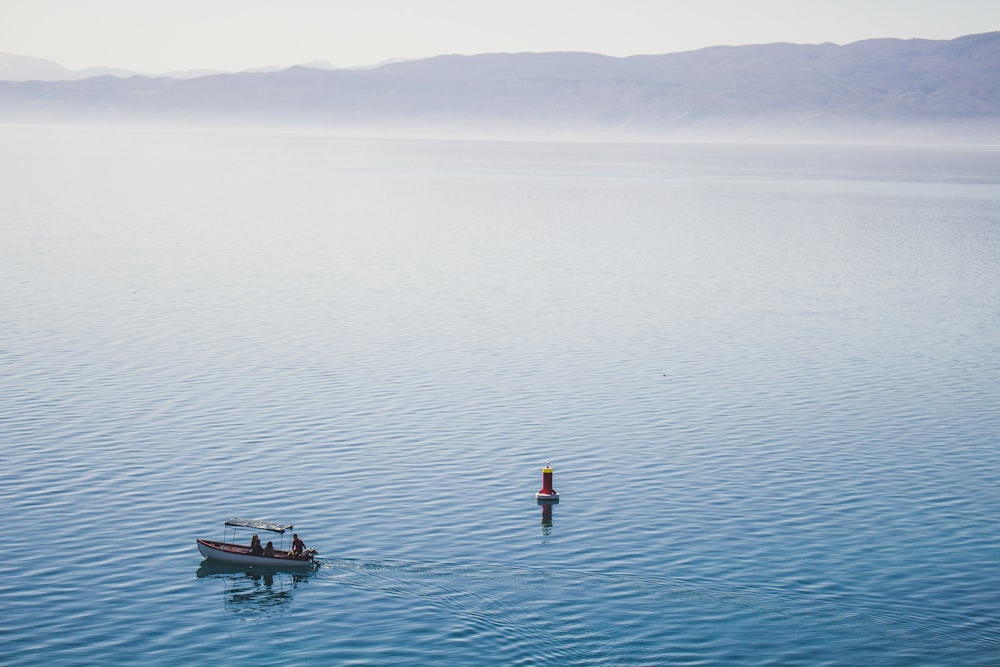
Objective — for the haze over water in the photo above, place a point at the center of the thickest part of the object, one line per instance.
(766, 377)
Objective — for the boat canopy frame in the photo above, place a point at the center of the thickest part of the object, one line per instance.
(259, 524)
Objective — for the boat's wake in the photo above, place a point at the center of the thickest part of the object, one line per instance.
(586, 615)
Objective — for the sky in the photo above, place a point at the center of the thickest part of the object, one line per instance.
(156, 36)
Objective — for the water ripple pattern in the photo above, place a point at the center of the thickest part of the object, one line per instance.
(767, 378)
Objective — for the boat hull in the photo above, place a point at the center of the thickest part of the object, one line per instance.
(239, 554)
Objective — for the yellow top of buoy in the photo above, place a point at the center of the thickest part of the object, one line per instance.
(546, 469)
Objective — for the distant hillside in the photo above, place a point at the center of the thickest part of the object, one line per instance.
(23, 68)
(884, 88)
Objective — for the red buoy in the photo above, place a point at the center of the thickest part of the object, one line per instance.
(547, 492)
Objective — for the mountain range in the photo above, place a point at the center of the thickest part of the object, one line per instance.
(25, 68)
(892, 89)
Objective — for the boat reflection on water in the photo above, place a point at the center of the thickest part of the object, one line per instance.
(253, 590)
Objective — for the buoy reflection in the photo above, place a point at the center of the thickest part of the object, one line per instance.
(547, 515)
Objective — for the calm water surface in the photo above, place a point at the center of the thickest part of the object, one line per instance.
(767, 378)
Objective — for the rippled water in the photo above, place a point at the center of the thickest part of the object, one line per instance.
(767, 378)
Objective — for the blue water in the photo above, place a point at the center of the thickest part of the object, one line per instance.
(767, 378)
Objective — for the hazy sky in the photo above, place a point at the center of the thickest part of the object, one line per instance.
(163, 35)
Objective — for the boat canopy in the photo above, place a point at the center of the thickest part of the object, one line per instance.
(257, 524)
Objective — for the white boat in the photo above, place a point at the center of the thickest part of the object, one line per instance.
(242, 554)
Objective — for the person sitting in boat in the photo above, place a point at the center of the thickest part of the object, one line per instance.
(269, 550)
(255, 546)
(298, 546)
